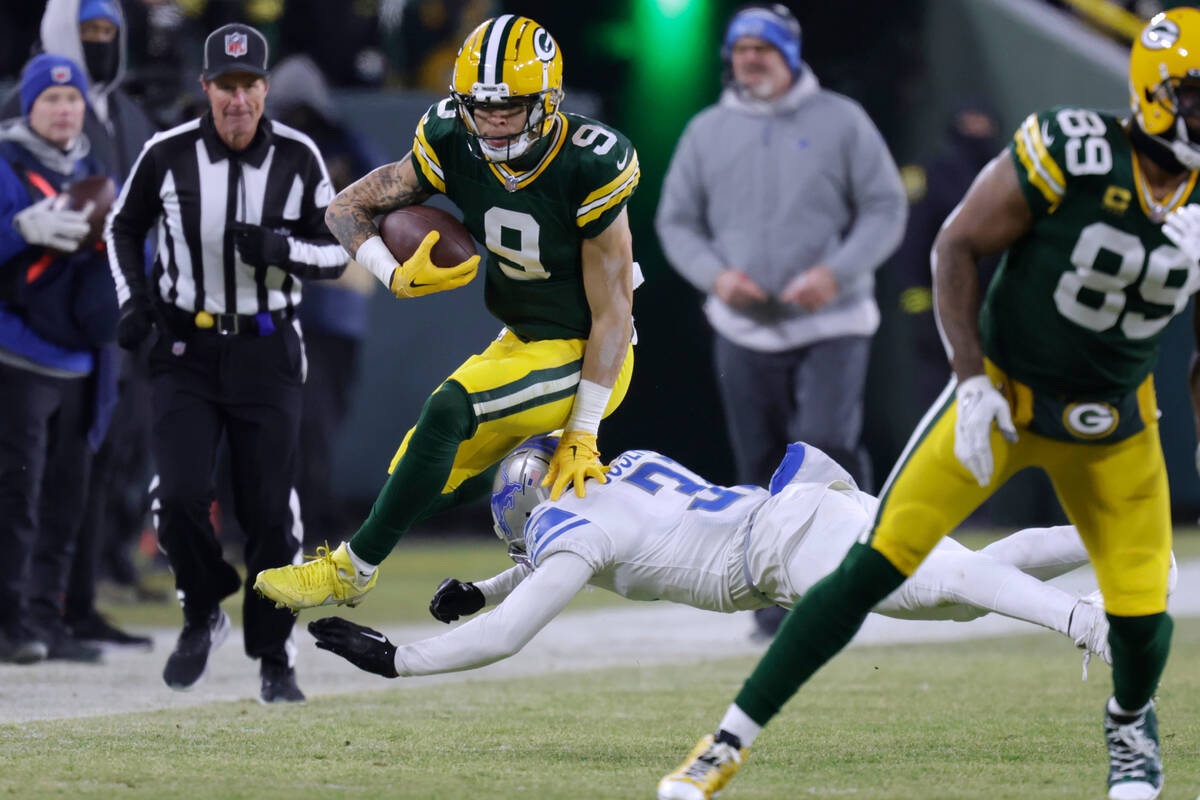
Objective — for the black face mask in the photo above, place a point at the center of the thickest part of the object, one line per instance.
(101, 59)
(1154, 149)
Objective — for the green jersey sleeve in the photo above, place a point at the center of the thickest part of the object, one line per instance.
(607, 177)
(1037, 151)
(434, 133)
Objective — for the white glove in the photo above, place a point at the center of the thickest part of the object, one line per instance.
(979, 404)
(47, 224)
(1182, 228)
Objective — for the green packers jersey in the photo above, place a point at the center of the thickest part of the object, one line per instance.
(533, 221)
(1079, 304)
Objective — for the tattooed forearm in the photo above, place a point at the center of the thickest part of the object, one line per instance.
(351, 215)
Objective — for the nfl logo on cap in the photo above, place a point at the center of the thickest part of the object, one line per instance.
(60, 74)
(235, 44)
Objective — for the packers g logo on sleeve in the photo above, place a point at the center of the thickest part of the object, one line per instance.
(1090, 420)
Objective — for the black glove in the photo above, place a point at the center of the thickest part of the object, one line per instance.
(136, 323)
(454, 599)
(259, 246)
(364, 647)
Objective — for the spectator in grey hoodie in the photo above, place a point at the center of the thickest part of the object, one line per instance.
(780, 202)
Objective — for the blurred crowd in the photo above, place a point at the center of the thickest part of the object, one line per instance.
(359, 44)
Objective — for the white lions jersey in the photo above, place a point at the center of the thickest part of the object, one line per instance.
(657, 530)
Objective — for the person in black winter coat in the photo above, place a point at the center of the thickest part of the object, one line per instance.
(935, 186)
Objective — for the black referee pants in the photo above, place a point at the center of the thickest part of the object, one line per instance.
(249, 389)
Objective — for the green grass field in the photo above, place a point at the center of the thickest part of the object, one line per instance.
(1001, 718)
(986, 719)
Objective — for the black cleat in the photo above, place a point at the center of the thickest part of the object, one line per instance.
(279, 684)
(200, 636)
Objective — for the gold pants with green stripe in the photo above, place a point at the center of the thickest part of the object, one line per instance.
(518, 389)
(1115, 494)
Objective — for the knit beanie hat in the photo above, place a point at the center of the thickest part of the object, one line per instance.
(48, 70)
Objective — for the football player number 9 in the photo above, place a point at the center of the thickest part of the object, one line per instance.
(519, 263)
(524, 263)
(1106, 291)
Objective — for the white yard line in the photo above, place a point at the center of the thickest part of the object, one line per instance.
(638, 634)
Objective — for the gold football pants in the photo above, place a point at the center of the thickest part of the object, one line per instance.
(518, 389)
(1115, 494)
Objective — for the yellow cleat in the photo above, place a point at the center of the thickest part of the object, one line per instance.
(326, 579)
(707, 769)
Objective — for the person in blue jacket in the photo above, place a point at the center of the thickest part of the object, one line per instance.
(58, 313)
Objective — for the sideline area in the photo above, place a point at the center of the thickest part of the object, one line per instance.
(629, 635)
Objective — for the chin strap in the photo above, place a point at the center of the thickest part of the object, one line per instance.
(1182, 148)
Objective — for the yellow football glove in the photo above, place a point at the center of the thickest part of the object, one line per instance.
(419, 276)
(575, 460)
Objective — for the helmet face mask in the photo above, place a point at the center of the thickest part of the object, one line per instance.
(517, 489)
(1164, 83)
(507, 61)
(504, 147)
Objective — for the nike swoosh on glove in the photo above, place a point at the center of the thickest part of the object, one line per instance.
(1182, 229)
(365, 648)
(419, 276)
(979, 404)
(576, 459)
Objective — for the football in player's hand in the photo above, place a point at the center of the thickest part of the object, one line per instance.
(101, 192)
(404, 229)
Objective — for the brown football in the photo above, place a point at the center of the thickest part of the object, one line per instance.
(404, 229)
(102, 193)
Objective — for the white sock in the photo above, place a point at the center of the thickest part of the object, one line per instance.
(1116, 710)
(363, 569)
(740, 725)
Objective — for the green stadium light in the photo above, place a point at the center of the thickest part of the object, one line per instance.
(672, 71)
(671, 8)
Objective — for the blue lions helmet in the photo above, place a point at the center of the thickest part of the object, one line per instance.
(517, 489)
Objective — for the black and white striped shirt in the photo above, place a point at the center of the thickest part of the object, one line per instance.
(189, 183)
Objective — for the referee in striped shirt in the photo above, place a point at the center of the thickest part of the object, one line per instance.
(237, 203)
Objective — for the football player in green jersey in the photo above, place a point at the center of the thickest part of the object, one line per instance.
(545, 192)
(1098, 221)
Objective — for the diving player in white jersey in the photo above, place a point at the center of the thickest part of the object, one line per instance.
(657, 530)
